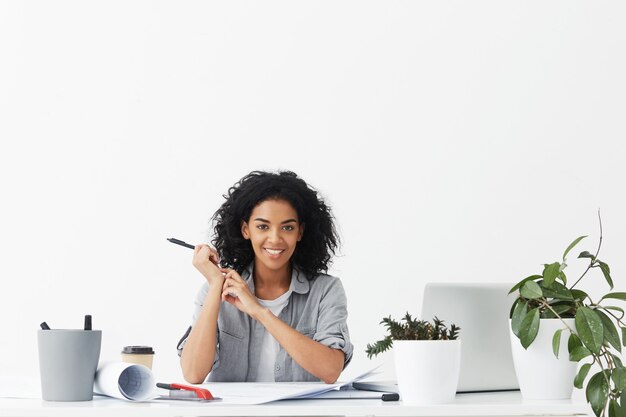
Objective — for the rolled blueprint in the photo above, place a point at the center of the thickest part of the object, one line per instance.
(126, 381)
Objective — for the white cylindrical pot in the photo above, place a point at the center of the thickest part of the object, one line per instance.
(540, 374)
(427, 370)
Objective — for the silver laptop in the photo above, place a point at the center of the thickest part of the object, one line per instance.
(481, 310)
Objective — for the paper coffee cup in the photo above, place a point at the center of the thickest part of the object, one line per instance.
(142, 355)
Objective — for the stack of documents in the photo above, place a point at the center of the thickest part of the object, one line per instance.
(265, 392)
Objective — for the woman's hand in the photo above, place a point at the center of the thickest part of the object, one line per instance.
(206, 260)
(236, 292)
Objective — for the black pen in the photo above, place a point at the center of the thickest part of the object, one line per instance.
(87, 322)
(181, 243)
(44, 326)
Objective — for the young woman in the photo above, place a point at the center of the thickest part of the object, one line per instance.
(268, 311)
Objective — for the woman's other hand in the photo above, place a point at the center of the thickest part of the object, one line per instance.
(206, 260)
(236, 292)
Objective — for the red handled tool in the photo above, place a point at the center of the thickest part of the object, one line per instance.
(202, 393)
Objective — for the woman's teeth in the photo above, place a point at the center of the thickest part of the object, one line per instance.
(274, 251)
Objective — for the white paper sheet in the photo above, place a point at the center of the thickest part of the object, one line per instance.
(136, 383)
(125, 381)
(264, 392)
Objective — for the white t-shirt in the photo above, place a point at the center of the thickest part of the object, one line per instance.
(269, 345)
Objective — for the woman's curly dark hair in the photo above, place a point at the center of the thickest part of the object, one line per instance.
(319, 242)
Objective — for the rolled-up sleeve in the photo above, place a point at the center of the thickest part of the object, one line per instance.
(198, 303)
(332, 327)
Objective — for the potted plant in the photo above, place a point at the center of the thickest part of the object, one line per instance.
(427, 357)
(591, 327)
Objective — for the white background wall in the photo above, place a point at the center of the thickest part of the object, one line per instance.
(456, 141)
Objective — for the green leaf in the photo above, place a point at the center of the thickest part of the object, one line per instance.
(581, 375)
(518, 315)
(617, 360)
(610, 331)
(522, 282)
(607, 273)
(586, 254)
(578, 353)
(590, 329)
(619, 378)
(573, 342)
(550, 272)
(515, 303)
(531, 290)
(563, 277)
(571, 245)
(619, 410)
(613, 408)
(529, 328)
(562, 307)
(579, 294)
(598, 393)
(548, 314)
(623, 336)
(558, 291)
(616, 295)
(556, 342)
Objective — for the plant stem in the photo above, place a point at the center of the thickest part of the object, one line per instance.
(619, 319)
(610, 365)
(545, 304)
(607, 357)
(596, 255)
(581, 277)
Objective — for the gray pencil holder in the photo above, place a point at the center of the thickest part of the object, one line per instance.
(68, 360)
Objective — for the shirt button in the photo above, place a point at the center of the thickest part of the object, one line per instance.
(277, 367)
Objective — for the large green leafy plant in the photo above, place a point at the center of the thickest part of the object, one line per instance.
(411, 329)
(595, 339)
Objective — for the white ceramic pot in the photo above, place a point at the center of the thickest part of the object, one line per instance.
(540, 374)
(427, 370)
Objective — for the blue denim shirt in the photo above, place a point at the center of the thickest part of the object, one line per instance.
(316, 308)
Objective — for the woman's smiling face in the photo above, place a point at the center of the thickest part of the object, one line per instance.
(274, 231)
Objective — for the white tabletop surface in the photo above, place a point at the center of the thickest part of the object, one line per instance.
(478, 404)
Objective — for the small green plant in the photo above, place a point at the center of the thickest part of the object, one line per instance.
(411, 329)
(596, 337)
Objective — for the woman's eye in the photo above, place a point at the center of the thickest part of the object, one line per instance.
(266, 227)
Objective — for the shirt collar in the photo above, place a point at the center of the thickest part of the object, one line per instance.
(299, 282)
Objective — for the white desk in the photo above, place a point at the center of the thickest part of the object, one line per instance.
(465, 405)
